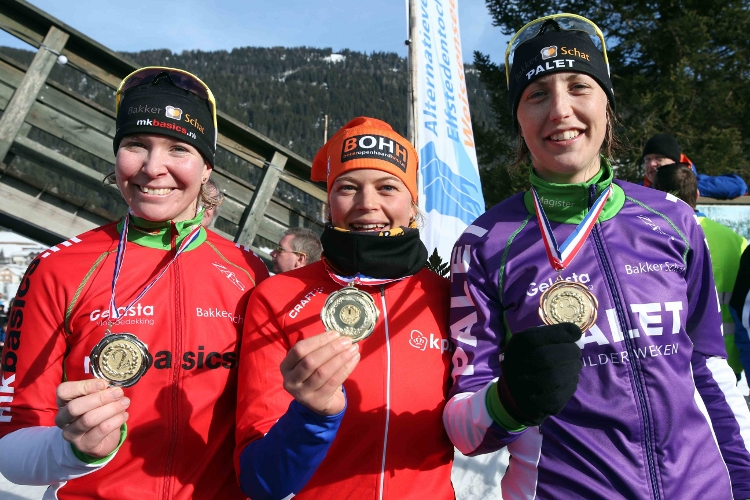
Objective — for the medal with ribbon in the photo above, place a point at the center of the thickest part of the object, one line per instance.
(351, 311)
(122, 358)
(568, 301)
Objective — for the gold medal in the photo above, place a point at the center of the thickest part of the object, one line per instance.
(568, 302)
(120, 358)
(351, 312)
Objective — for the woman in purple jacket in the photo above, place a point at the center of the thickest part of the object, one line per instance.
(599, 362)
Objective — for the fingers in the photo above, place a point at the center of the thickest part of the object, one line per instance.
(533, 338)
(315, 369)
(68, 391)
(304, 347)
(318, 365)
(81, 405)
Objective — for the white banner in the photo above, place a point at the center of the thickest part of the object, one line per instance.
(450, 193)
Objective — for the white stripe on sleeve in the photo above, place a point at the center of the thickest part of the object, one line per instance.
(466, 419)
(727, 382)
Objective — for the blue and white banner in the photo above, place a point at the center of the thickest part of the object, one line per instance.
(450, 193)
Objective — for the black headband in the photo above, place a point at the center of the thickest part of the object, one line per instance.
(162, 108)
(553, 52)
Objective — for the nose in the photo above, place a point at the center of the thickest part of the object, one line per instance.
(155, 163)
(560, 105)
(367, 198)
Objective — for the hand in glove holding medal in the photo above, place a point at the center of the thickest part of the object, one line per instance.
(90, 415)
(315, 369)
(540, 369)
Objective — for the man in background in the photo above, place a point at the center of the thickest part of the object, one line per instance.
(299, 247)
(725, 247)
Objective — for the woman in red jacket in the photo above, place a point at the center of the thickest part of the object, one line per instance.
(344, 363)
(152, 305)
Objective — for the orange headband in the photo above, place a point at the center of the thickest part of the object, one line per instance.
(367, 143)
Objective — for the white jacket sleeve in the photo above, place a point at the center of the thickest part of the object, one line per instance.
(41, 456)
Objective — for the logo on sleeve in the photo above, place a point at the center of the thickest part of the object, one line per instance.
(231, 276)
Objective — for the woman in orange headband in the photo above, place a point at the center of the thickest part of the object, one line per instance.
(360, 338)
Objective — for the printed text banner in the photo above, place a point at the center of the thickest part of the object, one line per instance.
(450, 192)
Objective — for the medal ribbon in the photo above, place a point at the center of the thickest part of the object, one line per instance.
(113, 313)
(561, 256)
(361, 279)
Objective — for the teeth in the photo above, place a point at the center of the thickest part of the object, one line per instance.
(157, 192)
(368, 226)
(568, 134)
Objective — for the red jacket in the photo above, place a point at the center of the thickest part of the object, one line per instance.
(181, 426)
(396, 392)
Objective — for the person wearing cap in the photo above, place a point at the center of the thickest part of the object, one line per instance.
(662, 149)
(344, 363)
(725, 247)
(584, 314)
(152, 306)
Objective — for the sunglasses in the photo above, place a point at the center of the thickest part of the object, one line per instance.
(280, 249)
(564, 22)
(179, 78)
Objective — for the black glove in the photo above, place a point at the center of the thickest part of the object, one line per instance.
(540, 371)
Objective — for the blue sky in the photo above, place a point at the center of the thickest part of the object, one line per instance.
(362, 25)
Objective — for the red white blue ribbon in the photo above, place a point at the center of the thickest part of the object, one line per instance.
(561, 256)
(113, 313)
(361, 279)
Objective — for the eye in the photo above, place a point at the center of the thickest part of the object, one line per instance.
(132, 143)
(179, 149)
(535, 94)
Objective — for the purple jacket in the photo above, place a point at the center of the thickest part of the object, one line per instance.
(656, 413)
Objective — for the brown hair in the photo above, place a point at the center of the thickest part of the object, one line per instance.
(679, 180)
(610, 146)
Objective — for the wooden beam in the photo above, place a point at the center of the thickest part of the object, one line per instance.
(255, 211)
(34, 209)
(26, 93)
(46, 157)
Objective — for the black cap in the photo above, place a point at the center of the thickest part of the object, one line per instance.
(662, 144)
(162, 108)
(554, 52)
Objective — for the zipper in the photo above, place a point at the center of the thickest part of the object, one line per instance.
(630, 349)
(175, 372)
(387, 389)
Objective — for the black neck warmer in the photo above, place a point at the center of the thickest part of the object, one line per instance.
(377, 255)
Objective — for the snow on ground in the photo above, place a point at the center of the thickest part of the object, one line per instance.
(10, 491)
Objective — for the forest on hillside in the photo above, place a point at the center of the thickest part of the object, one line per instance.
(285, 93)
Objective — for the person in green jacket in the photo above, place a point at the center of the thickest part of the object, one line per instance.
(725, 247)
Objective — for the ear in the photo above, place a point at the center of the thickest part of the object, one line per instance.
(206, 173)
(301, 260)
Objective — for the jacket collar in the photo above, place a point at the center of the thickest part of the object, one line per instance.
(159, 235)
(569, 203)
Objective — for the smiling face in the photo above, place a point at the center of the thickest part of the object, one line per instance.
(160, 177)
(370, 200)
(563, 120)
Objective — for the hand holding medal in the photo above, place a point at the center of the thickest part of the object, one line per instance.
(568, 301)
